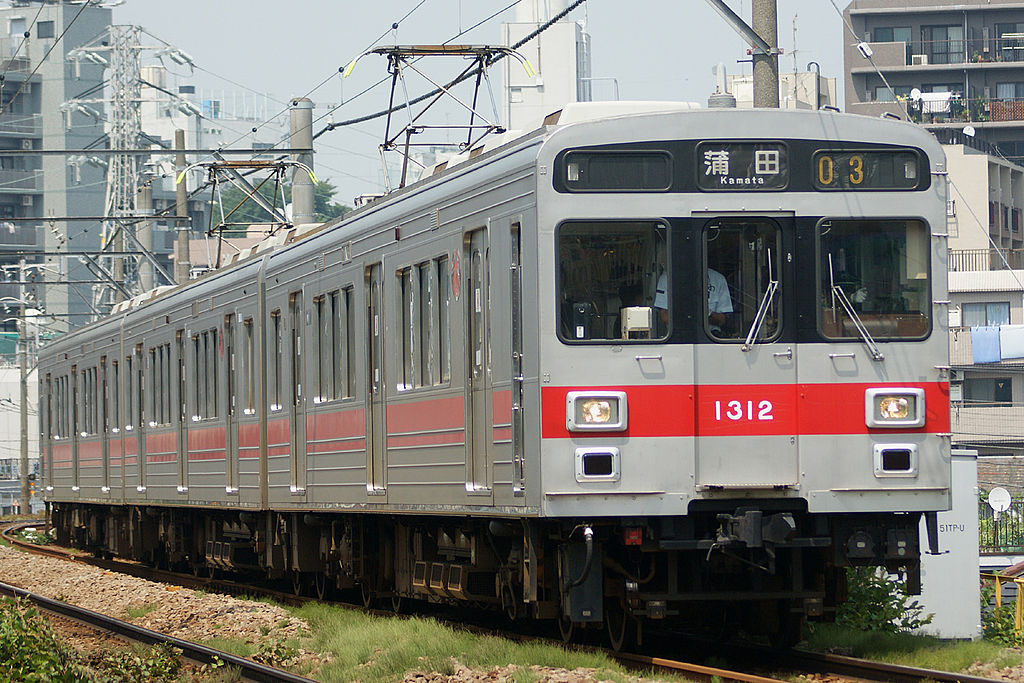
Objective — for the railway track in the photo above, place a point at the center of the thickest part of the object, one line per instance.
(755, 658)
(249, 670)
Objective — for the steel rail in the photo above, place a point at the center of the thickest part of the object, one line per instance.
(877, 671)
(200, 653)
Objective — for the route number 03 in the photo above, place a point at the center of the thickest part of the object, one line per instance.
(827, 170)
(744, 410)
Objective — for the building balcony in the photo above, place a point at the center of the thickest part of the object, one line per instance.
(964, 260)
(21, 125)
(937, 55)
(979, 423)
(19, 181)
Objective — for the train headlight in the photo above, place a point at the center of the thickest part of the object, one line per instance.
(595, 411)
(894, 407)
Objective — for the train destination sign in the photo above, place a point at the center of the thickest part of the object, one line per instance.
(866, 170)
(742, 166)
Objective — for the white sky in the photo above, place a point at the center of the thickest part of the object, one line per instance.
(656, 49)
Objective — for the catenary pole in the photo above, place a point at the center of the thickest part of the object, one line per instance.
(765, 22)
(181, 257)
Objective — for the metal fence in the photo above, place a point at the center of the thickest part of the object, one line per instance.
(963, 260)
(1002, 534)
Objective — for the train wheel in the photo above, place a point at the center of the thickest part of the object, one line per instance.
(397, 603)
(568, 630)
(620, 624)
(298, 582)
(368, 594)
(320, 585)
(790, 626)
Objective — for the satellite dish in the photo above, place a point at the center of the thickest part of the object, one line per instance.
(969, 131)
(915, 94)
(999, 499)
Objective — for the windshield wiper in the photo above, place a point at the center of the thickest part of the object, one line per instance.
(847, 305)
(762, 310)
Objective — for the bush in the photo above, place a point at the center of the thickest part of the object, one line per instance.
(998, 625)
(29, 651)
(878, 602)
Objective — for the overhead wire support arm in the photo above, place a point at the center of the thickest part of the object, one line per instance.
(402, 57)
(758, 45)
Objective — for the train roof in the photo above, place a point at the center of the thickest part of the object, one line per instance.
(580, 117)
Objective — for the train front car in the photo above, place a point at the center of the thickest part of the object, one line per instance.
(742, 362)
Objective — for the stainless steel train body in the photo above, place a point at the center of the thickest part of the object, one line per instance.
(626, 367)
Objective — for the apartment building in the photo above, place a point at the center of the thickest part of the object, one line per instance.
(946, 64)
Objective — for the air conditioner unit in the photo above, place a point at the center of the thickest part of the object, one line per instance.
(919, 60)
(26, 200)
(26, 144)
(951, 208)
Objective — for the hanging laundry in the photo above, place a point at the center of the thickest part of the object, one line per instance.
(1011, 341)
(985, 344)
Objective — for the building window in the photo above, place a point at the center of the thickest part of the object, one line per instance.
(44, 29)
(884, 93)
(944, 44)
(986, 314)
(893, 34)
(993, 391)
(1010, 41)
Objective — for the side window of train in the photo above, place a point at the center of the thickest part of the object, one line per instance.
(334, 319)
(159, 385)
(424, 359)
(274, 361)
(205, 354)
(741, 276)
(875, 275)
(114, 389)
(613, 282)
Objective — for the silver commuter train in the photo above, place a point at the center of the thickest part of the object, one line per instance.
(504, 384)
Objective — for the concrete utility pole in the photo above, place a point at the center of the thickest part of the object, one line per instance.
(182, 265)
(301, 132)
(144, 233)
(25, 506)
(765, 22)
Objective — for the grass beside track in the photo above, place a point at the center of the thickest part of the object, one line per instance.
(374, 649)
(913, 650)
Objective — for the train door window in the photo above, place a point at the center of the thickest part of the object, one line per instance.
(213, 374)
(274, 361)
(129, 396)
(295, 366)
(249, 362)
(323, 342)
(104, 422)
(741, 278)
(874, 276)
(199, 350)
(344, 328)
(410, 326)
(444, 331)
(426, 317)
(151, 383)
(114, 387)
(613, 281)
(165, 387)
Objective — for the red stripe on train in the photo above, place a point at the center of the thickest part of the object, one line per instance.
(744, 410)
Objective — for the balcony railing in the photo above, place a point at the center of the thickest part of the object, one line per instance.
(15, 181)
(963, 260)
(980, 423)
(22, 125)
(1002, 535)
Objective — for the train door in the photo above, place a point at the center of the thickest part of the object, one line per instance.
(296, 412)
(375, 403)
(745, 374)
(75, 427)
(182, 415)
(479, 380)
(230, 427)
(140, 424)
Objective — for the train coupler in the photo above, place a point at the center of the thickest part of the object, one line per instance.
(755, 530)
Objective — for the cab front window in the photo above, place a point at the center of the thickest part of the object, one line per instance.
(873, 274)
(612, 281)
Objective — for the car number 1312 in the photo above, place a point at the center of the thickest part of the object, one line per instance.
(751, 411)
